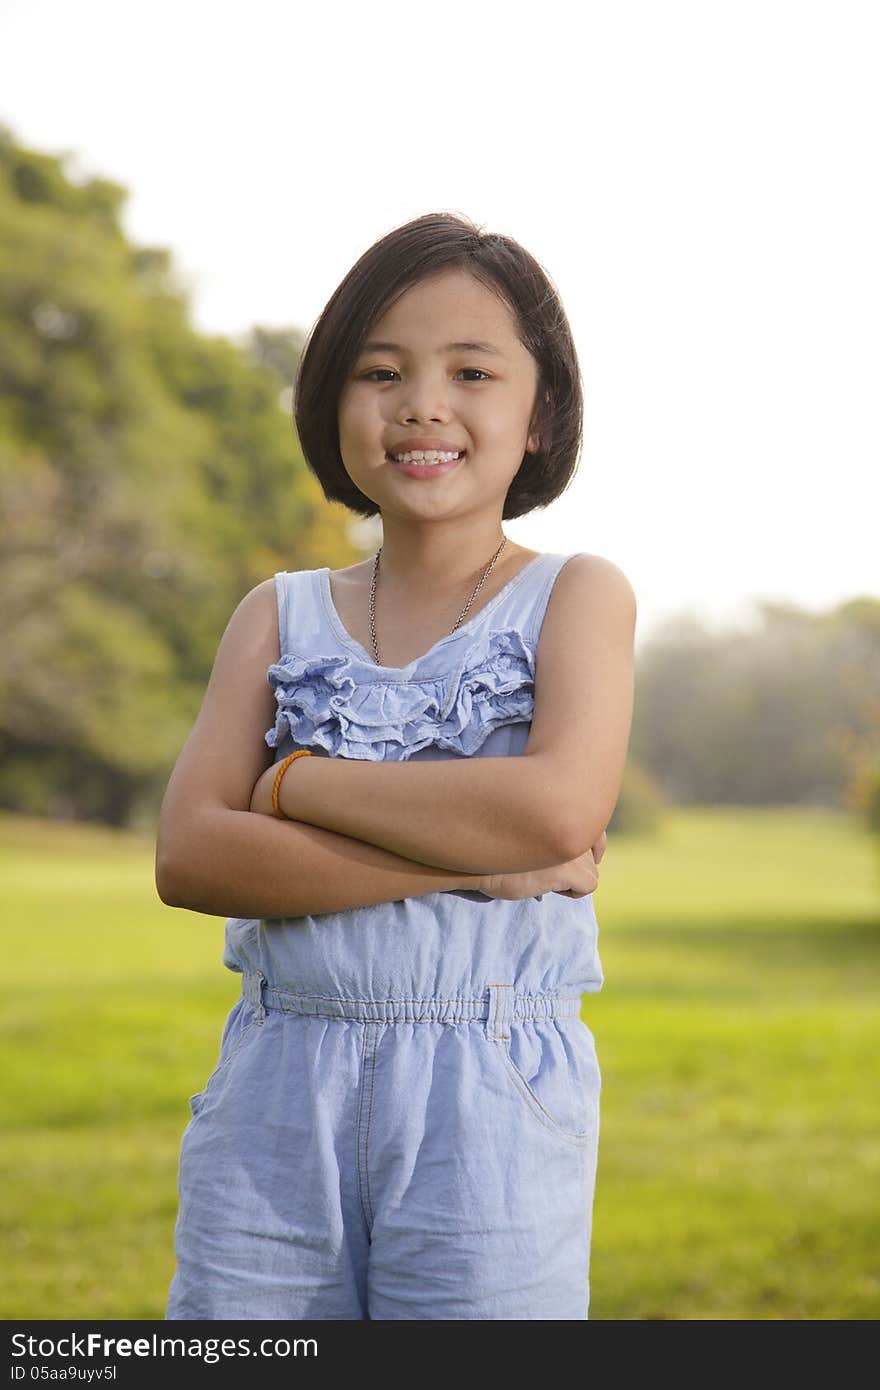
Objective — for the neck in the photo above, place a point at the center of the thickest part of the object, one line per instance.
(438, 564)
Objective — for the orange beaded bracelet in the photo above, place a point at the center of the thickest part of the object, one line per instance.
(282, 768)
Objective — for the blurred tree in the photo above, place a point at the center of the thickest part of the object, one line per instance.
(148, 478)
(786, 713)
(640, 804)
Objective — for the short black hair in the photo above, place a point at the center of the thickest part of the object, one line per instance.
(404, 256)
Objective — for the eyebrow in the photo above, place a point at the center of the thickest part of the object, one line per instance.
(450, 347)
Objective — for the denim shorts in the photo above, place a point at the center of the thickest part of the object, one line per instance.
(396, 1158)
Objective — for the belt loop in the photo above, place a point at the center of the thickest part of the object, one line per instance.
(252, 988)
(500, 1008)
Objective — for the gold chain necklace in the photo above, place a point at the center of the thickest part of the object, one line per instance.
(480, 583)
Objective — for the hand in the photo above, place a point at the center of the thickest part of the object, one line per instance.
(575, 879)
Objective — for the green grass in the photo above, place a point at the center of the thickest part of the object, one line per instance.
(738, 1035)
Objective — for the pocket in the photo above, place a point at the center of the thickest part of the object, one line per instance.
(553, 1066)
(240, 1026)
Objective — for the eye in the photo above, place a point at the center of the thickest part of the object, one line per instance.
(389, 371)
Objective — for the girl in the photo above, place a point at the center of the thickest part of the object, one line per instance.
(403, 1121)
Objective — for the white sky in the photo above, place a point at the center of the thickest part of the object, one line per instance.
(699, 179)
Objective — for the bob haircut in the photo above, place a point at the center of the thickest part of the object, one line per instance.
(410, 253)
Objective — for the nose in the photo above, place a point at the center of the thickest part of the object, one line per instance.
(424, 402)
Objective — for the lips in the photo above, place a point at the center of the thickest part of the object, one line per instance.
(426, 471)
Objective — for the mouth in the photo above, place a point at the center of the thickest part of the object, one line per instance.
(429, 465)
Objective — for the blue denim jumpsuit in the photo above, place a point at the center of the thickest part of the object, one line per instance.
(403, 1121)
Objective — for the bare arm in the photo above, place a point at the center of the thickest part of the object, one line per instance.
(473, 815)
(246, 865)
(505, 815)
(215, 855)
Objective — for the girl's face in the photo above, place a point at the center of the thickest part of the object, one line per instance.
(414, 378)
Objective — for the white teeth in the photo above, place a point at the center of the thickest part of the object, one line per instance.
(426, 456)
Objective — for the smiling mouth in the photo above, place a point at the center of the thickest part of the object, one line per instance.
(433, 461)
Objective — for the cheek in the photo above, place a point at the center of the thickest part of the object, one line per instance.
(358, 416)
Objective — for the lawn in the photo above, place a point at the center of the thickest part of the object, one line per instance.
(737, 1031)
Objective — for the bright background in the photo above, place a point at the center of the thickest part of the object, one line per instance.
(699, 181)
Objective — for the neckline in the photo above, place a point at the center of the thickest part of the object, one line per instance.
(345, 636)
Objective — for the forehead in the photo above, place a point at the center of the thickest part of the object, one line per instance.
(453, 301)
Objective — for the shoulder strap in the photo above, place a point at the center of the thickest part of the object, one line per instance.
(300, 612)
(541, 597)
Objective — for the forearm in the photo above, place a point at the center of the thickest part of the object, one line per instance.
(242, 864)
(477, 815)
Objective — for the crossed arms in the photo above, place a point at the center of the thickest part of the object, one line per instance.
(367, 832)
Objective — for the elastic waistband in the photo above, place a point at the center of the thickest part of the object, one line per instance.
(498, 1003)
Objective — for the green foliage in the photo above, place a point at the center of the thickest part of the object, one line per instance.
(640, 804)
(787, 712)
(149, 477)
(864, 793)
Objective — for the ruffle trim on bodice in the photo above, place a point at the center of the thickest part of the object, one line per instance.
(344, 705)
